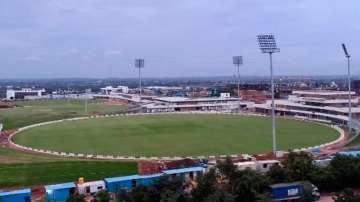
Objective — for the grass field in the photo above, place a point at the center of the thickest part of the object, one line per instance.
(26, 174)
(172, 135)
(355, 142)
(25, 169)
(30, 112)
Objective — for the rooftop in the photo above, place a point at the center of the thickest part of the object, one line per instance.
(183, 170)
(131, 177)
(186, 99)
(60, 186)
(321, 92)
(21, 191)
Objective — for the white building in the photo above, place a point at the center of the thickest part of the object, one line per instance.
(320, 105)
(108, 90)
(21, 94)
(91, 187)
(177, 104)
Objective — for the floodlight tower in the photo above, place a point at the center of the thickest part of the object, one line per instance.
(237, 61)
(139, 63)
(347, 55)
(268, 45)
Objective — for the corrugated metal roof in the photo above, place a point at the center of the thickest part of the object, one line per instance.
(60, 186)
(131, 177)
(285, 184)
(350, 153)
(183, 170)
(21, 191)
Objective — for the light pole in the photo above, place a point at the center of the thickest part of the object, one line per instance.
(268, 45)
(237, 61)
(347, 55)
(139, 63)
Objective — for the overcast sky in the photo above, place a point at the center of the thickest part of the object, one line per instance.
(101, 38)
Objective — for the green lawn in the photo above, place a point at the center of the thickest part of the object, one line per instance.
(30, 112)
(25, 169)
(27, 174)
(355, 142)
(171, 135)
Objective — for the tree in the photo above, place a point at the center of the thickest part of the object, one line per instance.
(307, 194)
(277, 174)
(346, 170)
(123, 196)
(220, 195)
(76, 198)
(227, 168)
(323, 178)
(206, 186)
(347, 195)
(140, 194)
(102, 196)
(248, 185)
(298, 166)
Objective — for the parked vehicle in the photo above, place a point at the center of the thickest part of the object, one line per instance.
(294, 191)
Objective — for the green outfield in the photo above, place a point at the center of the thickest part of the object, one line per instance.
(42, 173)
(25, 169)
(174, 135)
(29, 112)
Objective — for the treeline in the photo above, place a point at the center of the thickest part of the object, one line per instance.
(226, 183)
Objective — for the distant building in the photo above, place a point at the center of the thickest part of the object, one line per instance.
(175, 104)
(324, 105)
(21, 94)
(256, 96)
(355, 86)
(109, 90)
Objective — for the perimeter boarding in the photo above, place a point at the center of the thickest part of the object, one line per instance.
(61, 192)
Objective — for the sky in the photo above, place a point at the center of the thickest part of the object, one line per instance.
(177, 38)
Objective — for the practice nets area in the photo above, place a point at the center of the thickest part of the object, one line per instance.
(174, 135)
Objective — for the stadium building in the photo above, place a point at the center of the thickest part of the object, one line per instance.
(178, 104)
(319, 105)
(23, 93)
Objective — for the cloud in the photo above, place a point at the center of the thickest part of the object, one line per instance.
(32, 59)
(112, 52)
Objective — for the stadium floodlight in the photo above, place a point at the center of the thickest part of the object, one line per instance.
(139, 63)
(347, 55)
(267, 44)
(237, 61)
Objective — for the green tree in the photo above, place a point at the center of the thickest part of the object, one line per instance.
(227, 168)
(220, 195)
(206, 186)
(346, 170)
(248, 185)
(277, 174)
(298, 166)
(102, 196)
(76, 198)
(123, 196)
(140, 194)
(347, 195)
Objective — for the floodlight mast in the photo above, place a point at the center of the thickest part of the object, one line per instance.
(347, 55)
(139, 63)
(237, 61)
(267, 44)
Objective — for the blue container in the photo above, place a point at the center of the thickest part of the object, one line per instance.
(23, 195)
(128, 182)
(286, 191)
(59, 192)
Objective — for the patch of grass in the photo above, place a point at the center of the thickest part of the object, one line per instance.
(30, 112)
(355, 142)
(173, 135)
(27, 174)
